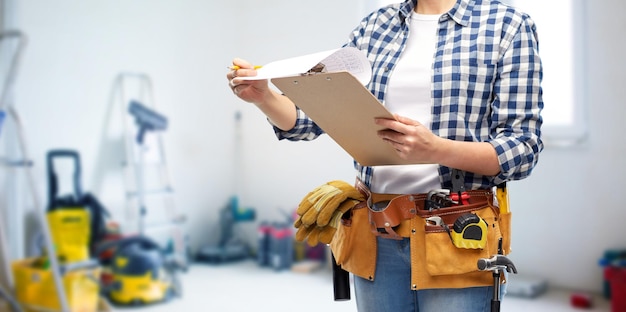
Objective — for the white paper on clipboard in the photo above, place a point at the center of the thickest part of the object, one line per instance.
(348, 59)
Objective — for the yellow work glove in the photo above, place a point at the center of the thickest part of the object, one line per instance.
(321, 210)
(325, 234)
(318, 206)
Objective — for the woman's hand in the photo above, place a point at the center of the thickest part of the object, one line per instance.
(279, 109)
(417, 144)
(253, 91)
(411, 140)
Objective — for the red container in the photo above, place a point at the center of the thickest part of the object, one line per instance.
(616, 276)
(580, 300)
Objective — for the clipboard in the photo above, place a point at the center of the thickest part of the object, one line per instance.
(345, 110)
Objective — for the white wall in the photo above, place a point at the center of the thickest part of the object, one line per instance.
(76, 49)
(565, 215)
(570, 210)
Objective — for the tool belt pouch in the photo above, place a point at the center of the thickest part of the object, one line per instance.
(443, 257)
(354, 245)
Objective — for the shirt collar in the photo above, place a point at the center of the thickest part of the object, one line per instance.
(460, 13)
(406, 8)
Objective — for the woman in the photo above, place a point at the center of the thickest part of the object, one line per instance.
(463, 79)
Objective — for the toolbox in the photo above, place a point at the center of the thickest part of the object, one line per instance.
(34, 287)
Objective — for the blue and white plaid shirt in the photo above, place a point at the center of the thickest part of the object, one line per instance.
(486, 78)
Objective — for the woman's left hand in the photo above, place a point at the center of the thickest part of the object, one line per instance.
(411, 140)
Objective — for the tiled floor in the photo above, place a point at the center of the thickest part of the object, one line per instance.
(244, 286)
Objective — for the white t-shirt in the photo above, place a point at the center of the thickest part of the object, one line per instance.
(409, 95)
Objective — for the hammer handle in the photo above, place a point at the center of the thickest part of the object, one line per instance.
(341, 282)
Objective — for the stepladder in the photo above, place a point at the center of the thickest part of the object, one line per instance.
(22, 278)
(149, 194)
(23, 163)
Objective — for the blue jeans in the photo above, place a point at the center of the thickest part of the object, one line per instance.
(391, 289)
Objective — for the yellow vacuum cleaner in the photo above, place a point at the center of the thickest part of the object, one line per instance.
(141, 274)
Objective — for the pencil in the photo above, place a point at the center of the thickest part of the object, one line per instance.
(235, 67)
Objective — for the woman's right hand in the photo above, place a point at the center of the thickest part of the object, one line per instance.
(279, 109)
(253, 91)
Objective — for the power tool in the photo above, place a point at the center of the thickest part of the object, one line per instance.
(77, 220)
(469, 231)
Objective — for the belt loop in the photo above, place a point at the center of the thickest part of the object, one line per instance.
(361, 187)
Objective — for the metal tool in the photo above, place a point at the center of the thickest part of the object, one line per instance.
(441, 198)
(458, 186)
(458, 181)
(437, 199)
(435, 220)
(497, 264)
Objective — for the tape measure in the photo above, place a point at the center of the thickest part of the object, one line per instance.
(469, 231)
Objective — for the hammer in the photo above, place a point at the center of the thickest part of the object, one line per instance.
(496, 264)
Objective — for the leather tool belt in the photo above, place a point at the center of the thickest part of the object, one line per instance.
(389, 213)
(437, 260)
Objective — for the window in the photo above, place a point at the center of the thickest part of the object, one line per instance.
(561, 34)
(560, 47)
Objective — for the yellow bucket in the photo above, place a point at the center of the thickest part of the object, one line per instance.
(34, 287)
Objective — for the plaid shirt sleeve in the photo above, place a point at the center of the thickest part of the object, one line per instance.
(487, 76)
(515, 116)
(304, 130)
